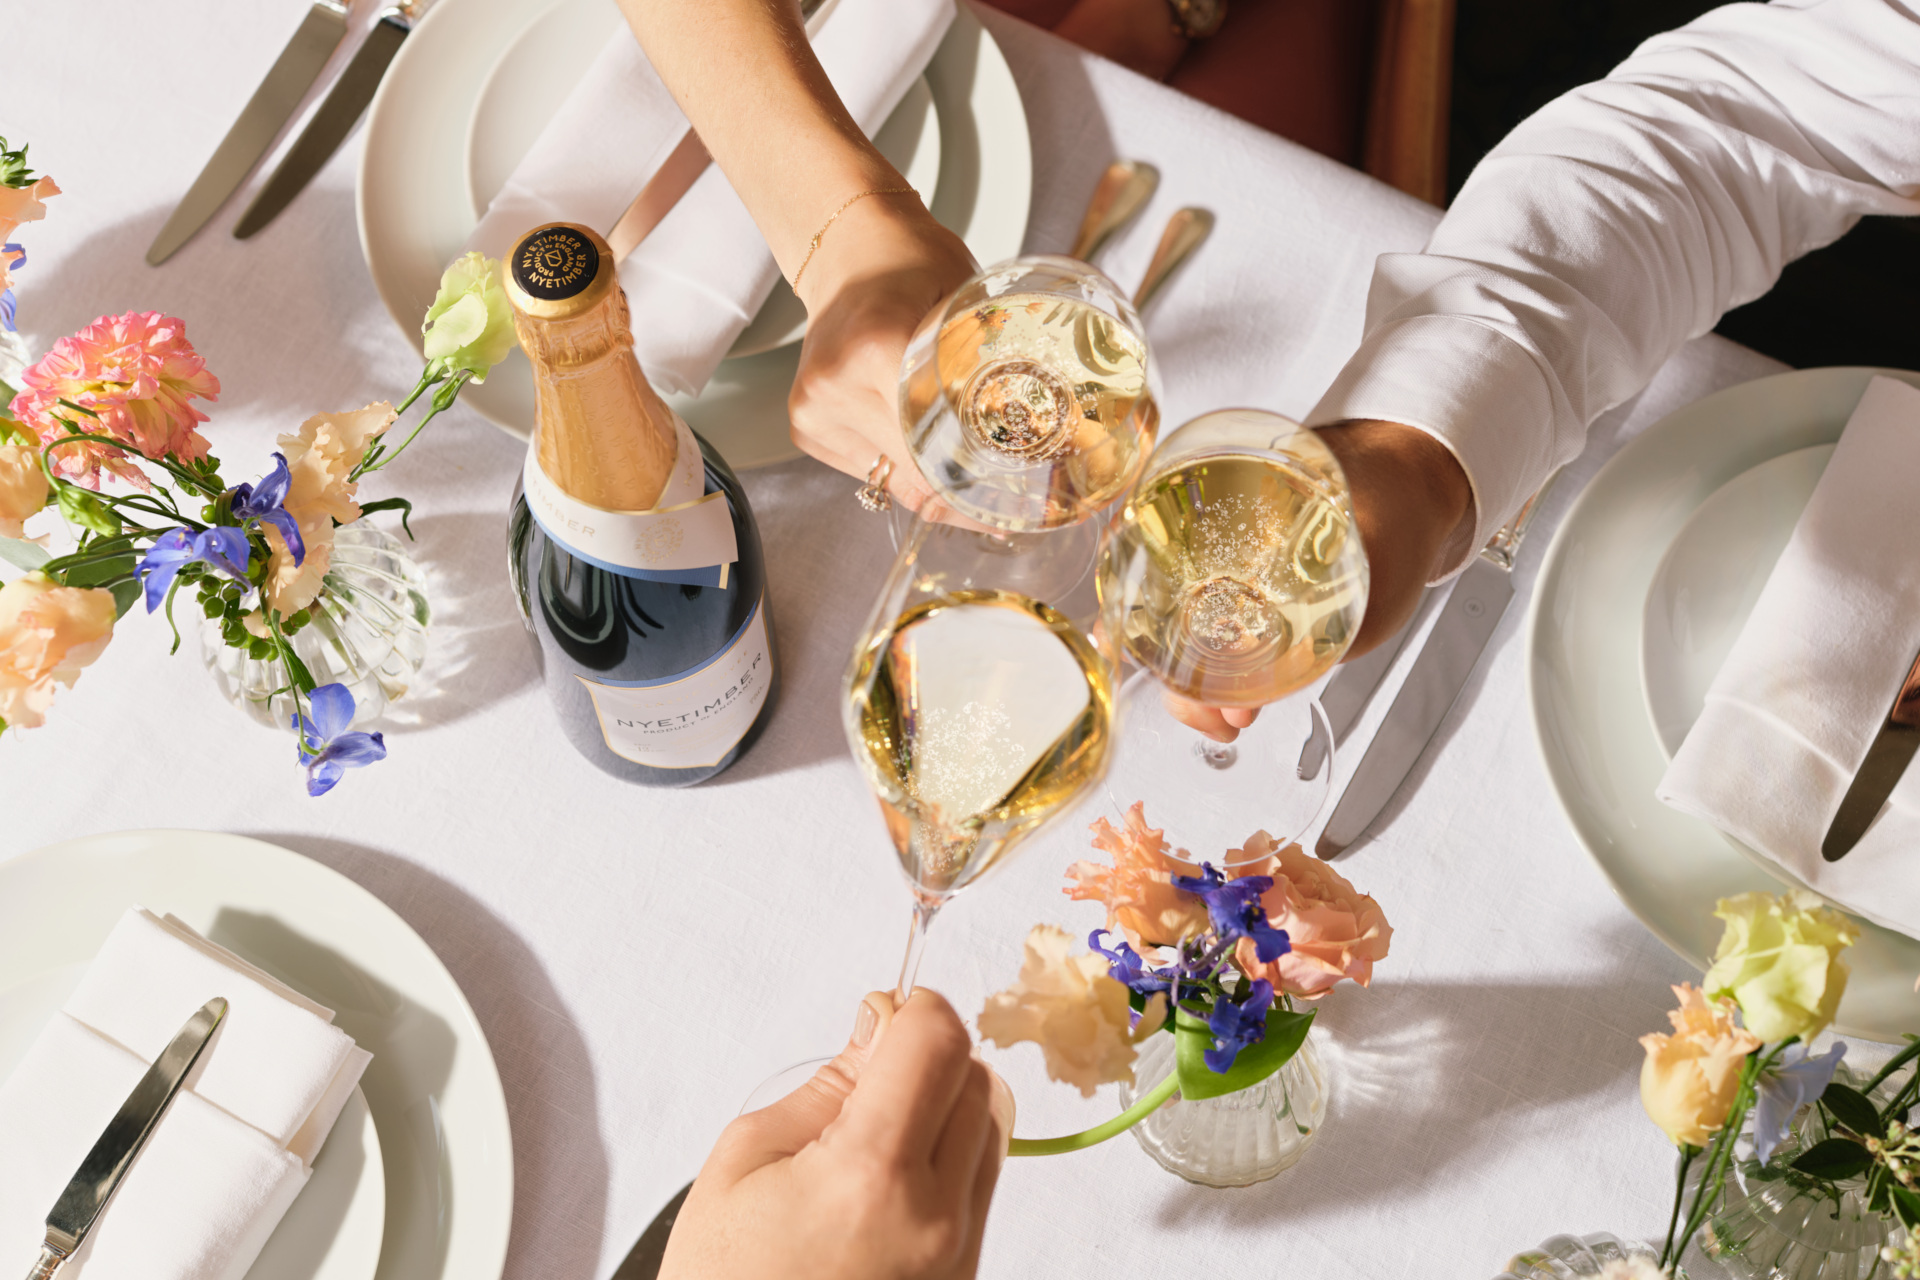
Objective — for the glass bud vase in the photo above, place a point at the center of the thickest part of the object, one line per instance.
(1237, 1139)
(1564, 1257)
(1773, 1223)
(368, 632)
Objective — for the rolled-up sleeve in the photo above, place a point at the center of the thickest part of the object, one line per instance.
(1623, 219)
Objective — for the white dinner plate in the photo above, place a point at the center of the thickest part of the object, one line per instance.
(421, 1191)
(416, 208)
(1709, 581)
(1584, 627)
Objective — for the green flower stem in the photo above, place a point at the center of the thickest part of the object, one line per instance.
(442, 400)
(1898, 1061)
(1720, 1151)
(1101, 1132)
(81, 559)
(1687, 1154)
(427, 379)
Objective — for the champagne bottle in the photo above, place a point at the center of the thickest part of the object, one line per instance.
(634, 554)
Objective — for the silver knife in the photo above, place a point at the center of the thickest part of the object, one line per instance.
(79, 1206)
(1479, 600)
(335, 118)
(299, 64)
(1351, 689)
(1889, 754)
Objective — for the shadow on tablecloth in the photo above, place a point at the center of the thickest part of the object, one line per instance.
(560, 1163)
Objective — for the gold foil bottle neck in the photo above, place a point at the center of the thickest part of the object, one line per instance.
(601, 433)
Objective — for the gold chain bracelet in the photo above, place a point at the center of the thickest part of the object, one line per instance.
(813, 246)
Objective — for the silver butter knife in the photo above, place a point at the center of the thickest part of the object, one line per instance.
(259, 123)
(79, 1206)
(335, 118)
(1888, 755)
(1479, 600)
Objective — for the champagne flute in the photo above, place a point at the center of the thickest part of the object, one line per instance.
(1027, 397)
(1233, 577)
(979, 702)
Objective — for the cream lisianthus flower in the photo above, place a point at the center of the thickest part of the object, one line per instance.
(23, 488)
(1779, 959)
(469, 327)
(47, 634)
(1078, 1015)
(1689, 1078)
(320, 458)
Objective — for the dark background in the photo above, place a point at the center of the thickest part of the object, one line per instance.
(1849, 303)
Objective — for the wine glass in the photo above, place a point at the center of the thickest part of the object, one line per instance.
(1233, 577)
(1027, 396)
(979, 702)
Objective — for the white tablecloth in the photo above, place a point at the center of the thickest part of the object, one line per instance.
(641, 959)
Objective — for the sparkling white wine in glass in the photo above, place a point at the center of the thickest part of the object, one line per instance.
(1026, 397)
(1240, 575)
(976, 717)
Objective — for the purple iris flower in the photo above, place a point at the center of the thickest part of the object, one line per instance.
(7, 307)
(1790, 1084)
(225, 548)
(1127, 967)
(1234, 908)
(263, 501)
(1236, 1026)
(327, 749)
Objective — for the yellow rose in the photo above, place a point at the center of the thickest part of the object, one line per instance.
(320, 458)
(1780, 961)
(1076, 1014)
(1689, 1079)
(23, 488)
(47, 633)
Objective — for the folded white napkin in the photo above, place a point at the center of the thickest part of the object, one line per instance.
(235, 1147)
(1810, 680)
(704, 272)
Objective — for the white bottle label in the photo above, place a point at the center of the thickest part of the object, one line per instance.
(687, 537)
(693, 719)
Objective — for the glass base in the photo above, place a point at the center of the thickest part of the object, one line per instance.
(1237, 1139)
(1277, 776)
(1564, 1257)
(781, 1083)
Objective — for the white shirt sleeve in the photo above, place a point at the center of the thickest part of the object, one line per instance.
(1623, 219)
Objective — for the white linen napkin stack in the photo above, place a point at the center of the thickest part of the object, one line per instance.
(702, 274)
(1809, 682)
(234, 1149)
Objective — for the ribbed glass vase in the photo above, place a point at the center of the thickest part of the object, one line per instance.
(368, 632)
(1237, 1139)
(1565, 1257)
(1773, 1223)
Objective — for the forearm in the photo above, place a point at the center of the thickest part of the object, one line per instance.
(1622, 220)
(747, 79)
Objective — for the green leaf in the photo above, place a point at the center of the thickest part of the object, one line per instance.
(1906, 1205)
(85, 509)
(302, 678)
(125, 595)
(1851, 1108)
(23, 554)
(1834, 1159)
(1285, 1034)
(401, 505)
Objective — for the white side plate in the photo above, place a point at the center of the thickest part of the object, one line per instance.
(1584, 638)
(438, 1157)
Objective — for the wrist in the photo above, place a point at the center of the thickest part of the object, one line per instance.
(872, 235)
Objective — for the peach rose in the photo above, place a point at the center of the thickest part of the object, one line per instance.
(1076, 1014)
(1335, 930)
(1689, 1079)
(23, 488)
(47, 634)
(1140, 899)
(320, 457)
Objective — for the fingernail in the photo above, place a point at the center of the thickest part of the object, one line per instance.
(863, 1024)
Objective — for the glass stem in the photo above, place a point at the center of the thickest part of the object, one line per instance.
(924, 909)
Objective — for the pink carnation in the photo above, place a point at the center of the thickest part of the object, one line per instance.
(139, 373)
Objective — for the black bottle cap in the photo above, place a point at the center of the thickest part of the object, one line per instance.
(555, 262)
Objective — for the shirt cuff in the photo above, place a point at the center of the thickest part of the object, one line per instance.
(1472, 388)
